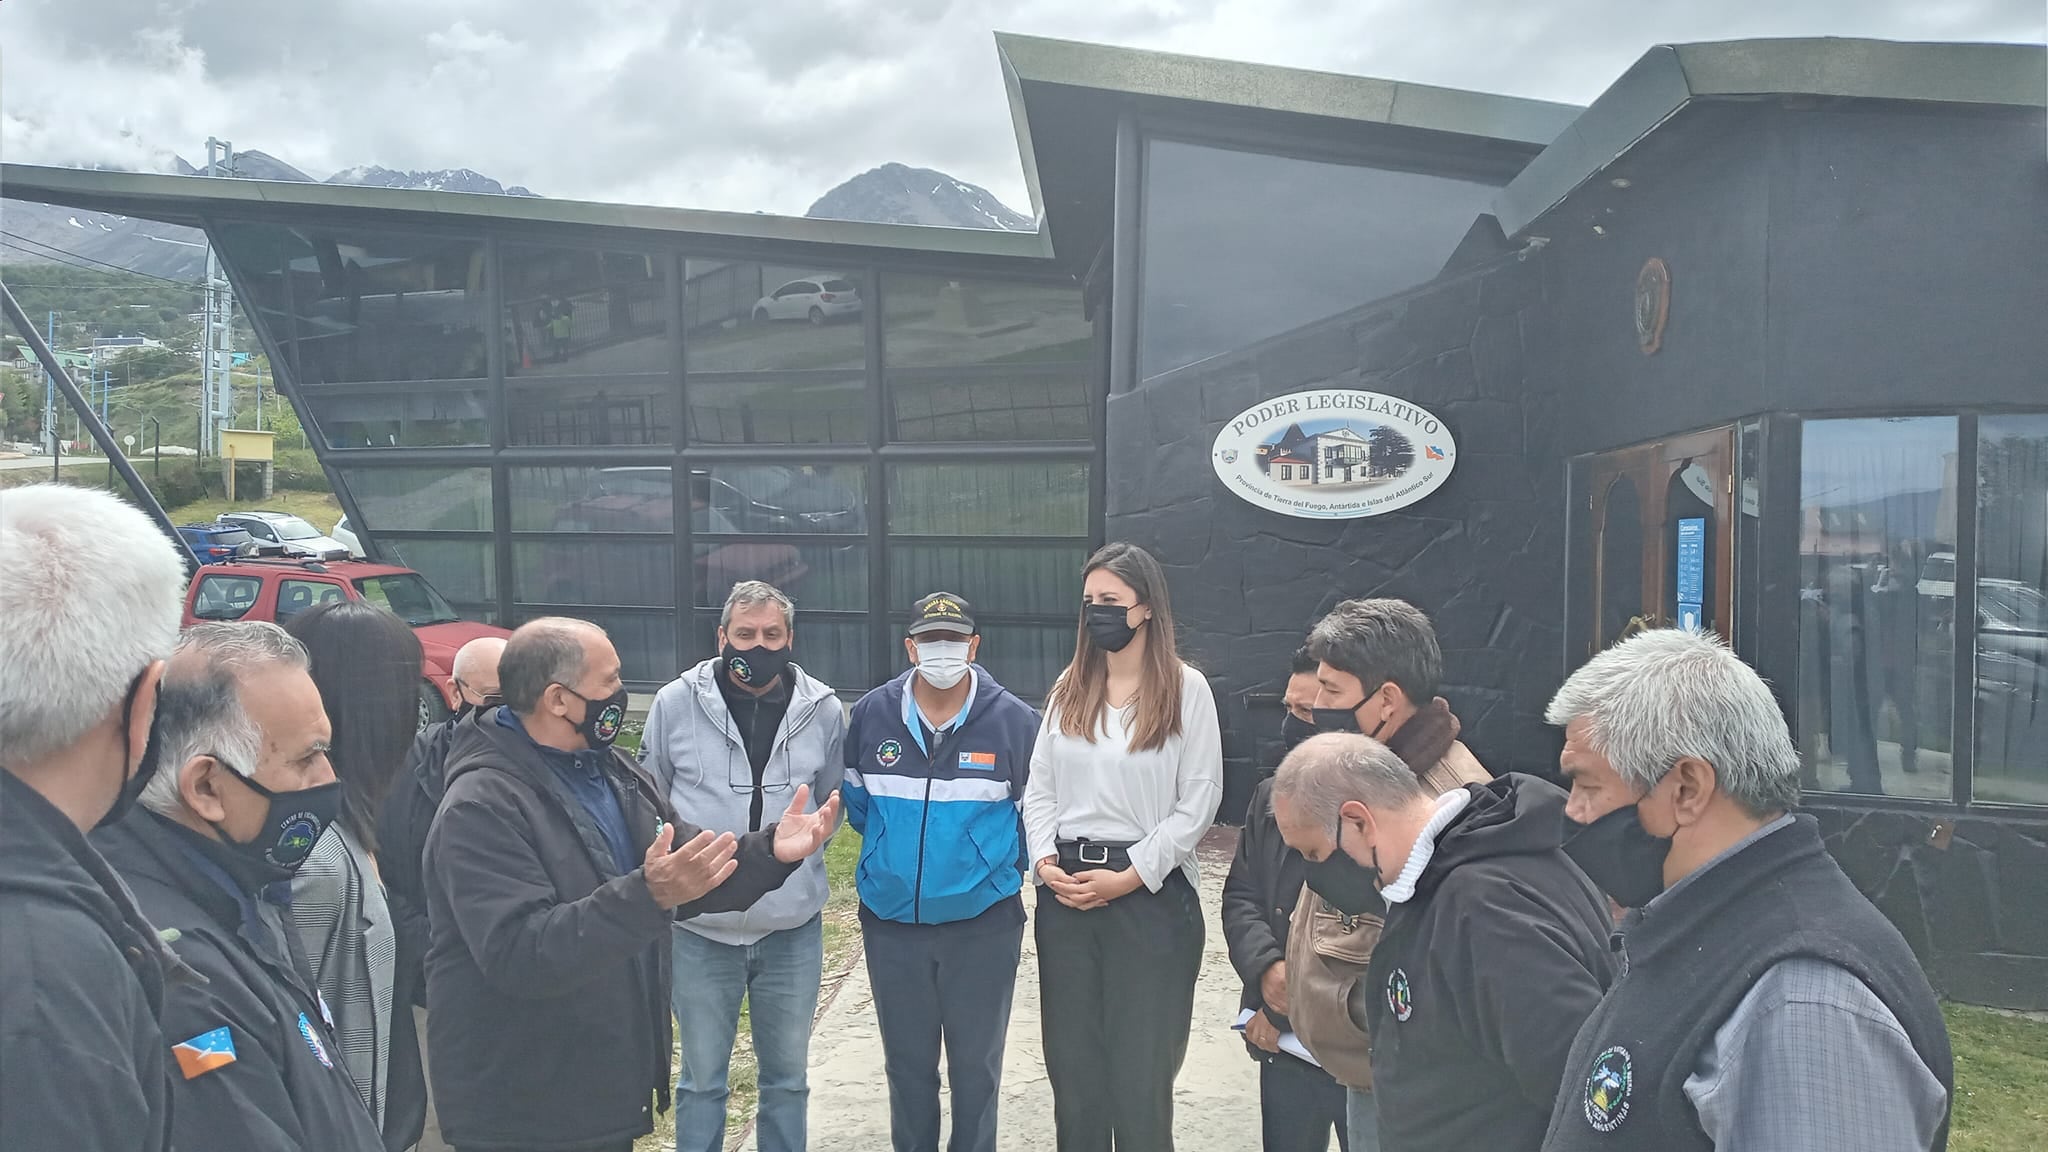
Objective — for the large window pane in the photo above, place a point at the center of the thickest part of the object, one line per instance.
(1027, 498)
(595, 570)
(1007, 579)
(421, 499)
(742, 317)
(464, 571)
(1240, 246)
(751, 499)
(2012, 610)
(357, 307)
(832, 577)
(1877, 605)
(835, 650)
(802, 409)
(646, 641)
(582, 499)
(614, 411)
(947, 320)
(431, 418)
(1019, 405)
(578, 312)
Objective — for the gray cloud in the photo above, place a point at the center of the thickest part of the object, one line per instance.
(746, 105)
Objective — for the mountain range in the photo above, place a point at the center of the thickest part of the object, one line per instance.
(43, 233)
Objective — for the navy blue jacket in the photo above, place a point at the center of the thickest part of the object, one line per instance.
(942, 838)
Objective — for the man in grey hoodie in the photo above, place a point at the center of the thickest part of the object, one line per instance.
(730, 740)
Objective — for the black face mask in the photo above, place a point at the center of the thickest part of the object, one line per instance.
(1346, 719)
(604, 719)
(1109, 626)
(294, 822)
(755, 667)
(131, 788)
(466, 708)
(1620, 856)
(1349, 887)
(1293, 730)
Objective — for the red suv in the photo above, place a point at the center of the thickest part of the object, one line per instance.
(276, 590)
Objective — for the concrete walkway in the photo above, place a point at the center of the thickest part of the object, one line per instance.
(1216, 1101)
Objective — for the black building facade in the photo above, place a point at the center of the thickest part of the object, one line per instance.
(1779, 303)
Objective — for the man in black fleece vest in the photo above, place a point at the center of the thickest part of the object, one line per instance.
(1494, 949)
(1763, 1004)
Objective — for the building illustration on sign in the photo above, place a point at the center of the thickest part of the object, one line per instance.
(1334, 454)
(1338, 453)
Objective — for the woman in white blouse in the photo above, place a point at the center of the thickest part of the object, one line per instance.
(1125, 778)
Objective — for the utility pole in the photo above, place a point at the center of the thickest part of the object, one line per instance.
(217, 335)
(50, 392)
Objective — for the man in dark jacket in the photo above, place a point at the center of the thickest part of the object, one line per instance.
(90, 614)
(243, 792)
(1763, 1002)
(1494, 949)
(554, 872)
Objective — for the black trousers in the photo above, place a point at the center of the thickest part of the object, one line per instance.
(1116, 989)
(1298, 1105)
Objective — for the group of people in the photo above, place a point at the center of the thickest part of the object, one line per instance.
(244, 905)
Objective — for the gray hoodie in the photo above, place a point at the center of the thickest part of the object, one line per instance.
(696, 755)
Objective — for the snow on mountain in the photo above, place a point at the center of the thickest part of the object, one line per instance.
(900, 194)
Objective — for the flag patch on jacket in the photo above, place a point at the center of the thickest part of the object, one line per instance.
(978, 761)
(205, 1052)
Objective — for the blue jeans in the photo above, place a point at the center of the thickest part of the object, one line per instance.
(778, 975)
(1362, 1116)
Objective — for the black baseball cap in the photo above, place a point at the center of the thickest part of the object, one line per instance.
(942, 612)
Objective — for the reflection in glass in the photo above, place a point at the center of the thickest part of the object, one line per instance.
(462, 570)
(945, 320)
(646, 641)
(802, 409)
(742, 317)
(358, 307)
(1027, 498)
(431, 418)
(577, 312)
(624, 410)
(1020, 405)
(595, 570)
(632, 499)
(1877, 503)
(1748, 537)
(832, 577)
(421, 499)
(1008, 579)
(748, 499)
(1240, 246)
(2012, 610)
(834, 650)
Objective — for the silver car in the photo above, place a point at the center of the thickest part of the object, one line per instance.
(293, 534)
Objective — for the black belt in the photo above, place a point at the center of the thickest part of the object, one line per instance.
(1084, 855)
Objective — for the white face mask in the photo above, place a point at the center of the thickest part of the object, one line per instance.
(942, 663)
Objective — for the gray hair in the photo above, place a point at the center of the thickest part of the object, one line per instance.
(751, 593)
(199, 708)
(1325, 772)
(1666, 694)
(90, 596)
(541, 652)
(1381, 640)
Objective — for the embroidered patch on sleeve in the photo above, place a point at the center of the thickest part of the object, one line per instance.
(204, 1053)
(978, 761)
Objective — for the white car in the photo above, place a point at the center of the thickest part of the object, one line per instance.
(293, 534)
(816, 299)
(345, 536)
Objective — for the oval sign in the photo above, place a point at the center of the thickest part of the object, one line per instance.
(1333, 454)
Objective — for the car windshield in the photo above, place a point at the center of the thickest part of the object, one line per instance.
(2012, 607)
(838, 286)
(293, 528)
(408, 596)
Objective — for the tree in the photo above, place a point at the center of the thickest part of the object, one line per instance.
(1391, 453)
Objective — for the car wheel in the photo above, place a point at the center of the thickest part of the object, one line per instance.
(760, 315)
(817, 315)
(433, 709)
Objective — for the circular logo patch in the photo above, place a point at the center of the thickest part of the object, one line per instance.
(294, 840)
(740, 669)
(1608, 1087)
(1400, 999)
(312, 1040)
(609, 722)
(888, 753)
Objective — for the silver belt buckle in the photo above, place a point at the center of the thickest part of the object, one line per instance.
(1093, 853)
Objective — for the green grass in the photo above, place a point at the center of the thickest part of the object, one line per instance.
(318, 508)
(2001, 1102)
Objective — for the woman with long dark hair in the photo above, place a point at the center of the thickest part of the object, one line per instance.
(1125, 778)
(366, 663)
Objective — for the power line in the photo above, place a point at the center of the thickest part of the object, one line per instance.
(88, 259)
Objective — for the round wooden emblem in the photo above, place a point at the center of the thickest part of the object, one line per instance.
(1653, 304)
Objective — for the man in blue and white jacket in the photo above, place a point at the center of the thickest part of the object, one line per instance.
(936, 762)
(729, 742)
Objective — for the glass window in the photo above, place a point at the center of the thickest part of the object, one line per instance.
(1027, 658)
(995, 576)
(832, 577)
(407, 596)
(1240, 246)
(744, 317)
(947, 320)
(465, 571)
(804, 409)
(646, 641)
(750, 499)
(1027, 498)
(833, 649)
(296, 596)
(582, 499)
(614, 411)
(421, 499)
(595, 570)
(1012, 405)
(2012, 610)
(1877, 502)
(431, 418)
(579, 312)
(226, 597)
(361, 307)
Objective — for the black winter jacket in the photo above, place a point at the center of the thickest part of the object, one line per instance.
(1258, 901)
(549, 971)
(82, 1056)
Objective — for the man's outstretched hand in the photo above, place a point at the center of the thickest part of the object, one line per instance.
(800, 833)
(677, 876)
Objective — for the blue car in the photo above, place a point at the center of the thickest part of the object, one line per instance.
(218, 543)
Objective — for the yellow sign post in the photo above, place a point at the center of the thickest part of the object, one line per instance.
(237, 446)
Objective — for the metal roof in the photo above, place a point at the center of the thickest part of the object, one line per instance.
(1669, 77)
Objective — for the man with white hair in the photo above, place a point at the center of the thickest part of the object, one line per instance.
(241, 794)
(1494, 948)
(1764, 1004)
(90, 594)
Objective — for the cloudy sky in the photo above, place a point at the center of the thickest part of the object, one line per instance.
(763, 104)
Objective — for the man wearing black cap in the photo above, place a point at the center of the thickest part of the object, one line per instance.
(936, 762)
